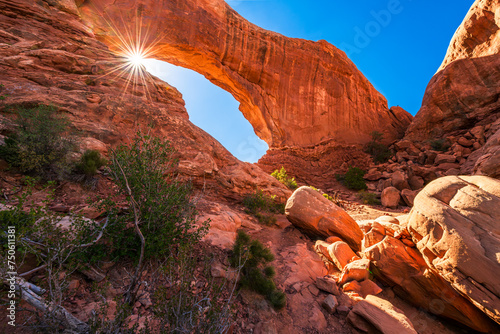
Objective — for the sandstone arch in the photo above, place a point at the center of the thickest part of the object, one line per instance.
(294, 92)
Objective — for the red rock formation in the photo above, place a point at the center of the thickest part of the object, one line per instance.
(464, 93)
(51, 57)
(294, 92)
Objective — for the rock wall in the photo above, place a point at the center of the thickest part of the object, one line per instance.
(294, 92)
(465, 91)
(50, 57)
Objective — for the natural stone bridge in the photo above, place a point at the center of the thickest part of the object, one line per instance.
(294, 92)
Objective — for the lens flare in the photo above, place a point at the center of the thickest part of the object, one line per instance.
(132, 44)
(136, 59)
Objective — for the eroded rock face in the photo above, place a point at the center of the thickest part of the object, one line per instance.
(455, 224)
(294, 92)
(405, 270)
(51, 57)
(465, 90)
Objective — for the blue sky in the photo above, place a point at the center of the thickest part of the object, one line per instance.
(397, 44)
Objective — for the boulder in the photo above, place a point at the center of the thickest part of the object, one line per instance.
(444, 158)
(390, 197)
(399, 180)
(376, 315)
(408, 196)
(455, 223)
(362, 289)
(487, 161)
(404, 269)
(358, 270)
(330, 304)
(309, 211)
(341, 254)
(416, 182)
(328, 284)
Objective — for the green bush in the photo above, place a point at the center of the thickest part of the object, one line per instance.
(439, 145)
(90, 162)
(167, 215)
(40, 146)
(263, 207)
(256, 274)
(353, 178)
(379, 152)
(368, 198)
(282, 176)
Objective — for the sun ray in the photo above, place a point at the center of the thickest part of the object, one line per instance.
(132, 44)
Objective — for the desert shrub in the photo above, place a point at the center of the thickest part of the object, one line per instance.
(353, 178)
(145, 173)
(256, 274)
(439, 145)
(282, 176)
(184, 308)
(263, 206)
(40, 146)
(379, 152)
(90, 162)
(368, 198)
(41, 235)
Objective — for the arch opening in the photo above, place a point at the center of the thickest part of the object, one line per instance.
(212, 109)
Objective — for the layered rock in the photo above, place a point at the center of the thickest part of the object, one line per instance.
(455, 225)
(405, 270)
(51, 57)
(464, 92)
(294, 92)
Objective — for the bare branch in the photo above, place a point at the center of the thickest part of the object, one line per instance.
(33, 270)
(129, 295)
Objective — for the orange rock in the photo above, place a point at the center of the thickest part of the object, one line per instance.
(308, 210)
(404, 269)
(466, 87)
(294, 92)
(357, 270)
(454, 223)
(340, 253)
(375, 315)
(390, 197)
(69, 67)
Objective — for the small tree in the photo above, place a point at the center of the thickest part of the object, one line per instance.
(282, 176)
(90, 162)
(379, 152)
(41, 145)
(353, 179)
(256, 274)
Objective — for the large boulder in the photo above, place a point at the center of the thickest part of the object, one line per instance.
(405, 270)
(317, 216)
(455, 224)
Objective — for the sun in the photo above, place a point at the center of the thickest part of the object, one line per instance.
(136, 59)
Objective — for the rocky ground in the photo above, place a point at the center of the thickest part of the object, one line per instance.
(423, 261)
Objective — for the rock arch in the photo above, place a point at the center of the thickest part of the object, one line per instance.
(294, 92)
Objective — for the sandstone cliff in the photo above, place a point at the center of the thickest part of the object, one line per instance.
(464, 92)
(51, 57)
(294, 92)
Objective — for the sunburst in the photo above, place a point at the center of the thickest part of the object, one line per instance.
(133, 44)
